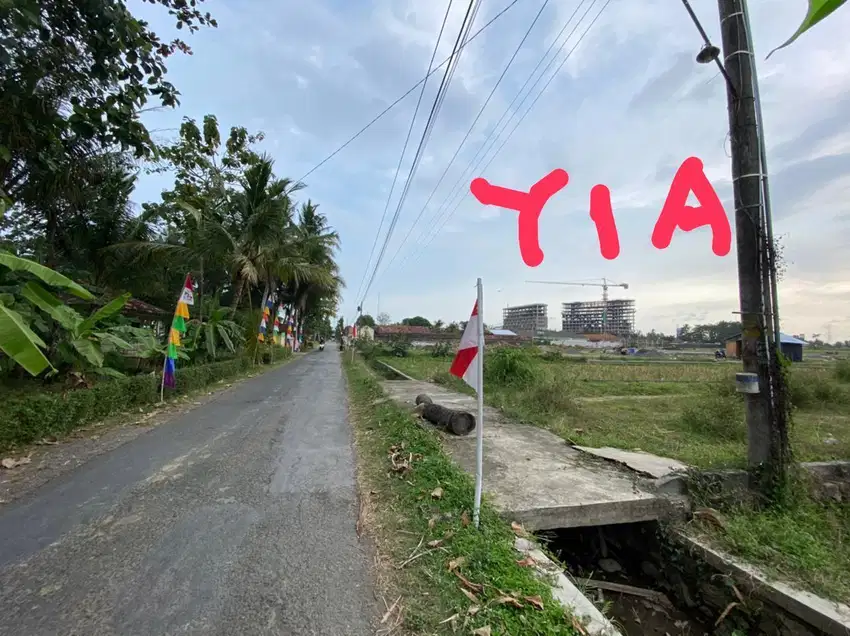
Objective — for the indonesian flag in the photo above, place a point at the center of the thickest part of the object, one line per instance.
(465, 364)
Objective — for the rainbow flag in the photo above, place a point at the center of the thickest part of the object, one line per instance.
(178, 328)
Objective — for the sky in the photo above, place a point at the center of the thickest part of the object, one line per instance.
(626, 108)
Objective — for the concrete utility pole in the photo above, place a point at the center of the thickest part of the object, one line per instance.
(766, 417)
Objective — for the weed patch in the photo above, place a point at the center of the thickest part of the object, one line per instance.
(448, 575)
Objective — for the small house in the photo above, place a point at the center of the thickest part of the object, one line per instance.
(791, 347)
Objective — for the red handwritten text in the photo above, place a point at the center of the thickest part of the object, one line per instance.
(674, 214)
(691, 178)
(528, 204)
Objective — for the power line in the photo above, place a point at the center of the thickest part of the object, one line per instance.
(522, 118)
(408, 92)
(469, 132)
(438, 101)
(406, 141)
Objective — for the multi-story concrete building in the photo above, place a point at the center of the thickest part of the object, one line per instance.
(526, 318)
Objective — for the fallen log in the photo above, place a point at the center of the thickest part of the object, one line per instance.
(451, 421)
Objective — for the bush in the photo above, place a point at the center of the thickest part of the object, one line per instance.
(441, 350)
(33, 416)
(808, 393)
(509, 367)
(842, 371)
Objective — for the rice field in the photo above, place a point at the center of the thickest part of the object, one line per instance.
(687, 410)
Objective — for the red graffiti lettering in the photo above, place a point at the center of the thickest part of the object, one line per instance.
(528, 204)
(603, 217)
(691, 178)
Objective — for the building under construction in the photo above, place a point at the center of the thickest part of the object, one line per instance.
(612, 316)
(533, 318)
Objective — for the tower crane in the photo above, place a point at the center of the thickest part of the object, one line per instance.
(605, 284)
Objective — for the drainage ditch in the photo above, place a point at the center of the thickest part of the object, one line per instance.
(648, 583)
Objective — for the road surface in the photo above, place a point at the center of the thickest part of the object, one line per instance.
(237, 517)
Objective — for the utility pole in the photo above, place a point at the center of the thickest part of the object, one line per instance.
(767, 438)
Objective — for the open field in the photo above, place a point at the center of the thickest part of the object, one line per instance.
(684, 410)
(687, 411)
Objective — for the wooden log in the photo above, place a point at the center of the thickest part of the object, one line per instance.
(451, 421)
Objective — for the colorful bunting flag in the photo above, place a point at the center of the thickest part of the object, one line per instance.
(175, 334)
(264, 323)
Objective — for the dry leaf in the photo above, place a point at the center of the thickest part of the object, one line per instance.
(535, 600)
(475, 587)
(432, 522)
(578, 626)
(464, 519)
(725, 613)
(449, 619)
(436, 543)
(11, 462)
(469, 595)
(473, 609)
(518, 529)
(454, 564)
(48, 441)
(712, 516)
(437, 493)
(526, 562)
(482, 631)
(508, 600)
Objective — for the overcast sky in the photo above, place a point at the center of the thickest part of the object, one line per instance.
(628, 106)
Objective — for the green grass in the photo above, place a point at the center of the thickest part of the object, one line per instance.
(407, 515)
(804, 542)
(686, 411)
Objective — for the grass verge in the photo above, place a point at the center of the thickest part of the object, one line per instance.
(32, 416)
(804, 542)
(446, 574)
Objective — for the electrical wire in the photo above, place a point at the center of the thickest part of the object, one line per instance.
(459, 185)
(404, 147)
(438, 100)
(408, 92)
(469, 132)
(522, 118)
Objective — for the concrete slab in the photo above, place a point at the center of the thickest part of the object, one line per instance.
(533, 476)
(639, 461)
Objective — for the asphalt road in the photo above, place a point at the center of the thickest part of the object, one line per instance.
(235, 518)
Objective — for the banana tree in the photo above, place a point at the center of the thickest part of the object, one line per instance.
(215, 331)
(818, 10)
(83, 342)
(17, 339)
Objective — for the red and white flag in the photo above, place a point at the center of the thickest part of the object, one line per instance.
(465, 364)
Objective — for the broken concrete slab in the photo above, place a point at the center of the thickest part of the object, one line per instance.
(533, 476)
(638, 461)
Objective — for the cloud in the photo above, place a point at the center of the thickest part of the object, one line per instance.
(627, 107)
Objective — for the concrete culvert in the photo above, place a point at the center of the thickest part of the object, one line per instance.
(456, 422)
(423, 398)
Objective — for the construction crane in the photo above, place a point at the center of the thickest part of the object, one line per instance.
(605, 284)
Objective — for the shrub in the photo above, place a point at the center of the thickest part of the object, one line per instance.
(441, 350)
(842, 371)
(807, 392)
(33, 416)
(508, 366)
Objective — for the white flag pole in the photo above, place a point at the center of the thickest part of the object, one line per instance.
(479, 442)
